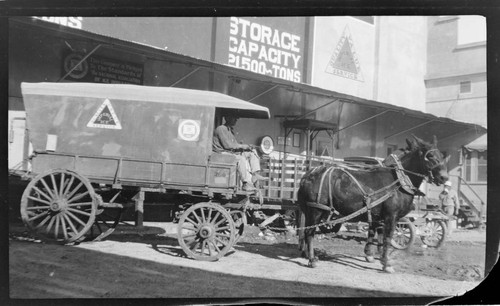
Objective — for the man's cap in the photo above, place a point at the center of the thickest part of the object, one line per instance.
(448, 183)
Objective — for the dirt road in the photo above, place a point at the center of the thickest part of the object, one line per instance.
(149, 263)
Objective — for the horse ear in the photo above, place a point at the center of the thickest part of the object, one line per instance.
(434, 141)
(410, 144)
(418, 140)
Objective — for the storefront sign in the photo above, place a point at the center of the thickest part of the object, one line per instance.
(72, 22)
(265, 50)
(344, 61)
(98, 69)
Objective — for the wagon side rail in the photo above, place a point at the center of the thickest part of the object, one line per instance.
(125, 171)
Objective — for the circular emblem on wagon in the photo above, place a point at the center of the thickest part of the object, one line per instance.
(73, 61)
(189, 130)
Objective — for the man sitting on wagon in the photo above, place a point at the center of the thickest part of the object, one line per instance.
(225, 142)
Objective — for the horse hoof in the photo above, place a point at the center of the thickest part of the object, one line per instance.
(312, 264)
(369, 258)
(389, 270)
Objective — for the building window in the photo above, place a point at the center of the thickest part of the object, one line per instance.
(475, 166)
(465, 87)
(481, 167)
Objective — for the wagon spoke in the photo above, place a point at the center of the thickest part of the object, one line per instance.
(210, 252)
(203, 215)
(216, 217)
(47, 230)
(196, 216)
(73, 228)
(203, 244)
(61, 186)
(191, 221)
(38, 216)
(54, 185)
(189, 227)
(43, 222)
(215, 245)
(80, 204)
(39, 200)
(221, 242)
(37, 207)
(222, 220)
(222, 228)
(68, 186)
(189, 236)
(47, 188)
(63, 224)
(78, 197)
(74, 190)
(56, 229)
(75, 218)
(209, 214)
(42, 193)
(79, 211)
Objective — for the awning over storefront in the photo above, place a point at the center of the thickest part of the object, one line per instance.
(480, 144)
(301, 100)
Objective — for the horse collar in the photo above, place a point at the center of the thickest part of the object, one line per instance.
(404, 180)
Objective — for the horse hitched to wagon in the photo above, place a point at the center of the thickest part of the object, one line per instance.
(98, 147)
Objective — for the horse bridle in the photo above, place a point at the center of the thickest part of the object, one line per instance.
(432, 166)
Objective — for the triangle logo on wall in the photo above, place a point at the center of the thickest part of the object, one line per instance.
(344, 61)
(105, 117)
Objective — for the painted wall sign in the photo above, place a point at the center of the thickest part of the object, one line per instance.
(189, 130)
(266, 50)
(344, 61)
(98, 69)
(105, 117)
(72, 22)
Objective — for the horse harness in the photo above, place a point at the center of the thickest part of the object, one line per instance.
(402, 181)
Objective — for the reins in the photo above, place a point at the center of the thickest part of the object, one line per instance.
(389, 190)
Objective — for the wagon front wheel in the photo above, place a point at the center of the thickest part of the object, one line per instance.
(404, 234)
(436, 231)
(206, 231)
(59, 206)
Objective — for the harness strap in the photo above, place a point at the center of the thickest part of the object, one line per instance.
(405, 181)
(318, 205)
(367, 196)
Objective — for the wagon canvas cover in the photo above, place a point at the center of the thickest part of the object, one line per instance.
(142, 125)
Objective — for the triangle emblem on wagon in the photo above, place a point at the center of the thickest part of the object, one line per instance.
(344, 61)
(105, 117)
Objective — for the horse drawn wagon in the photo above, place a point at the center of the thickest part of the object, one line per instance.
(97, 147)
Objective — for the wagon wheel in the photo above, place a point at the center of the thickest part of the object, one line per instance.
(206, 231)
(436, 231)
(404, 234)
(240, 220)
(106, 220)
(59, 206)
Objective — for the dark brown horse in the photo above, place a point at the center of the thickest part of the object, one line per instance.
(384, 193)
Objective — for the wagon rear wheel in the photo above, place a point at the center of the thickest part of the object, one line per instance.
(59, 206)
(206, 231)
(404, 234)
